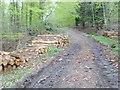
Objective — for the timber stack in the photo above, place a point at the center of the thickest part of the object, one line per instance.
(39, 49)
(57, 40)
(40, 44)
(10, 61)
(111, 34)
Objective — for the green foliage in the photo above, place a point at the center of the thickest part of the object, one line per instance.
(98, 14)
(22, 16)
(104, 40)
(12, 77)
(12, 37)
(52, 51)
(109, 42)
(90, 12)
(64, 14)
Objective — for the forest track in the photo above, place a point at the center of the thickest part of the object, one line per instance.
(81, 65)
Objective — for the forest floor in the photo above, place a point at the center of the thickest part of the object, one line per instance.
(85, 63)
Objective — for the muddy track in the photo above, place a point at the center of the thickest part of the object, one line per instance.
(81, 65)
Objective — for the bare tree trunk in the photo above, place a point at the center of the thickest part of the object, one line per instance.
(17, 16)
(93, 15)
(83, 24)
(0, 26)
(14, 16)
(26, 16)
(104, 14)
(30, 19)
(110, 25)
(11, 19)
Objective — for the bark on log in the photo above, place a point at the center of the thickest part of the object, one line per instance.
(11, 62)
(109, 33)
(15, 55)
(50, 35)
(1, 67)
(5, 62)
(17, 63)
(45, 42)
(14, 66)
(0, 62)
(9, 67)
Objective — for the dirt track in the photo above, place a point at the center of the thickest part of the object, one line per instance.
(81, 65)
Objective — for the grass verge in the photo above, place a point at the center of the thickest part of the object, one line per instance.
(9, 78)
(109, 42)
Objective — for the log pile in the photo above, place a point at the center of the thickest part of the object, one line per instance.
(38, 50)
(59, 40)
(42, 50)
(111, 34)
(45, 42)
(10, 61)
(39, 45)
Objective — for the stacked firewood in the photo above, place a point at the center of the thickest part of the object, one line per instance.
(111, 34)
(10, 60)
(42, 50)
(64, 40)
(59, 40)
(40, 44)
(38, 49)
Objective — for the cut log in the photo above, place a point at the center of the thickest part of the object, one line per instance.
(15, 55)
(5, 62)
(26, 50)
(109, 33)
(18, 63)
(113, 46)
(49, 35)
(0, 62)
(11, 62)
(45, 50)
(41, 51)
(3, 53)
(37, 45)
(5, 57)
(14, 66)
(37, 50)
(45, 42)
(9, 67)
(1, 68)
(115, 37)
(13, 58)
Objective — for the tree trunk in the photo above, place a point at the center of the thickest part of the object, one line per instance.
(0, 26)
(30, 19)
(83, 24)
(30, 22)
(104, 14)
(17, 16)
(26, 16)
(93, 16)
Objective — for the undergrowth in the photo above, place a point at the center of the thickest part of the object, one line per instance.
(108, 41)
(52, 52)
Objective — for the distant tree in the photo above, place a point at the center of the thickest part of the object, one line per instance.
(98, 14)
(82, 12)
